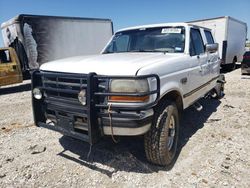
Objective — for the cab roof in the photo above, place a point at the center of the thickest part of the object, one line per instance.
(155, 25)
(182, 24)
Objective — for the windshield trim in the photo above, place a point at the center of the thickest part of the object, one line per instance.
(161, 50)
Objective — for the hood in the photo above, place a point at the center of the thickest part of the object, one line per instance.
(107, 64)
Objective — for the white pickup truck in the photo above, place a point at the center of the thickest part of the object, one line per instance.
(138, 85)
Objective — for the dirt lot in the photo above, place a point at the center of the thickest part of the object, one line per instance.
(214, 151)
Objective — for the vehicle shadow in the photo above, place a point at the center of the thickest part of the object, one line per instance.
(244, 77)
(15, 89)
(128, 154)
(227, 70)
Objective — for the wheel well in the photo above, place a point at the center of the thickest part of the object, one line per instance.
(174, 96)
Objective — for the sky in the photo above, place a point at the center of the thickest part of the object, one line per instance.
(128, 13)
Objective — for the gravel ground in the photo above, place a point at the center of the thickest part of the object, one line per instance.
(214, 151)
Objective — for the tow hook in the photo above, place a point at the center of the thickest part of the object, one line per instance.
(198, 106)
(221, 81)
(213, 94)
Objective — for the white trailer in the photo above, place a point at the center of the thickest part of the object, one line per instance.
(38, 39)
(230, 34)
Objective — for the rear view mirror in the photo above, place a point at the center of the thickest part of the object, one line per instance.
(212, 47)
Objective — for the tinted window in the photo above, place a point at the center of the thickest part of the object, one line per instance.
(4, 56)
(209, 37)
(122, 43)
(192, 51)
(157, 39)
(247, 53)
(119, 43)
(197, 42)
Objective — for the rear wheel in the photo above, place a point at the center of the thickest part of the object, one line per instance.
(161, 140)
(219, 89)
(232, 66)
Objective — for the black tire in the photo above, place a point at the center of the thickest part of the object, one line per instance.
(160, 144)
(219, 89)
(220, 94)
(232, 66)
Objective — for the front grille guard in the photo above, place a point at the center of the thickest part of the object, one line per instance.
(96, 99)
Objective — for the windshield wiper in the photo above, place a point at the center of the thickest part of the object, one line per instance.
(108, 52)
(140, 50)
(143, 50)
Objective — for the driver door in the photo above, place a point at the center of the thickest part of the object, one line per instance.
(199, 73)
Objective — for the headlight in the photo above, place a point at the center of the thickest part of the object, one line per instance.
(129, 86)
(37, 93)
(82, 97)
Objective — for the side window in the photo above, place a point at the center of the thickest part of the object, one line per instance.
(209, 37)
(192, 51)
(197, 43)
(5, 56)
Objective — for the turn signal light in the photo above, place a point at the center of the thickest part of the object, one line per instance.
(128, 99)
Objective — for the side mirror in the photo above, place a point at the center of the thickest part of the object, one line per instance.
(212, 47)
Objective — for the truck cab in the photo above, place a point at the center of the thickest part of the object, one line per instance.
(10, 70)
(139, 85)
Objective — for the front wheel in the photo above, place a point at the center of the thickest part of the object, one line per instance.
(160, 141)
(219, 89)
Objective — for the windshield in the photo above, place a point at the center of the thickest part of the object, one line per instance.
(160, 39)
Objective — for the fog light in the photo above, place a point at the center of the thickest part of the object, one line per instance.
(37, 93)
(82, 97)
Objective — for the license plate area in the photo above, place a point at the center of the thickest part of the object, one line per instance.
(65, 122)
